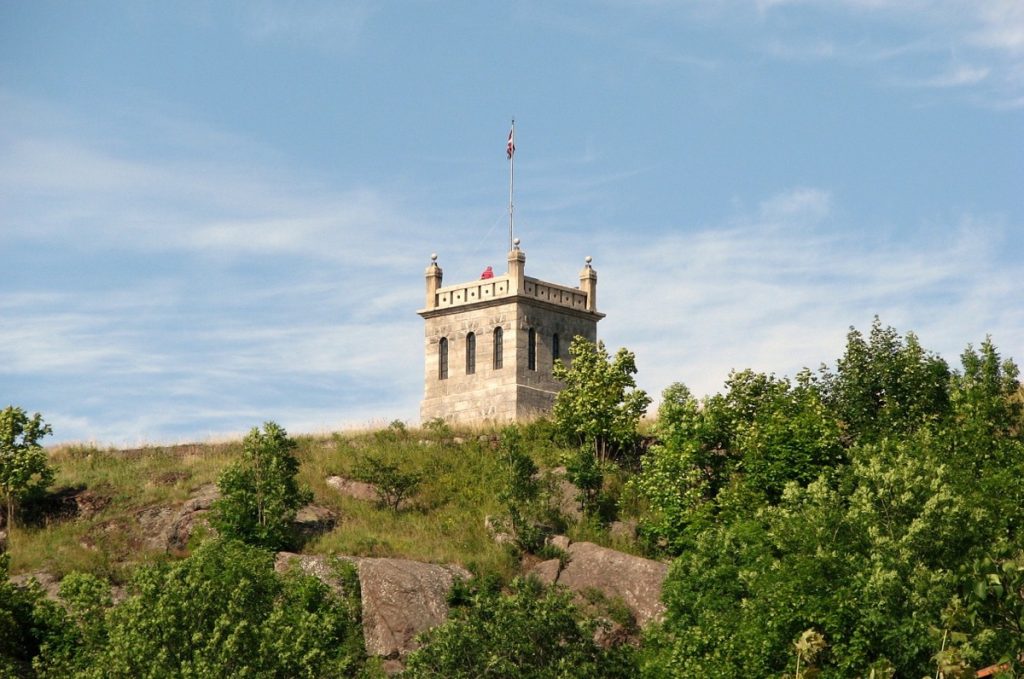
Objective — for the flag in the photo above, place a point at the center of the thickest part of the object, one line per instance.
(511, 147)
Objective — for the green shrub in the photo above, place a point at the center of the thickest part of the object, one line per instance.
(259, 492)
(222, 612)
(531, 633)
(392, 483)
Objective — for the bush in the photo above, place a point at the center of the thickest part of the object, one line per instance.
(391, 482)
(531, 633)
(222, 612)
(260, 494)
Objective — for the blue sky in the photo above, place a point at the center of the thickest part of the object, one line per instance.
(214, 214)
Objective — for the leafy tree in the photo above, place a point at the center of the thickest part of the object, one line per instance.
(600, 406)
(223, 611)
(259, 493)
(676, 473)
(23, 465)
(531, 633)
(885, 385)
(791, 437)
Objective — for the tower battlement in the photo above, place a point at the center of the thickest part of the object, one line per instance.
(490, 344)
(499, 288)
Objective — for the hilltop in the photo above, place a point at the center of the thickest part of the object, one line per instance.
(862, 520)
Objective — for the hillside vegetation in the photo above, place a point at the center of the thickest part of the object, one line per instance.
(864, 520)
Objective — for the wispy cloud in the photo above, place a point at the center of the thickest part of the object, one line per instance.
(776, 290)
(328, 26)
(957, 75)
(987, 36)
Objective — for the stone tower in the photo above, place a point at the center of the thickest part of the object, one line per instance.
(491, 343)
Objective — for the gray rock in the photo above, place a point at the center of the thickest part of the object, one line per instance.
(497, 529)
(633, 579)
(313, 520)
(192, 514)
(400, 598)
(353, 489)
(563, 495)
(170, 528)
(561, 542)
(547, 571)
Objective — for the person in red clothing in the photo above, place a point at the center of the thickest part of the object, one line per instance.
(488, 273)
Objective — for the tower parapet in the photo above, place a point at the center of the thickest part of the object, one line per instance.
(490, 344)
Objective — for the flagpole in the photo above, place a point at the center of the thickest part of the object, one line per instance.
(511, 180)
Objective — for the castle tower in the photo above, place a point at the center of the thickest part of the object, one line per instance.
(491, 343)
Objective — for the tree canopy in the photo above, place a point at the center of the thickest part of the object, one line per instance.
(878, 505)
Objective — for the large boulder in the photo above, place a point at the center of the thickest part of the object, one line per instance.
(170, 528)
(617, 575)
(400, 598)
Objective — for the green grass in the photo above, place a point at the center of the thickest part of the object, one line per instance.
(443, 523)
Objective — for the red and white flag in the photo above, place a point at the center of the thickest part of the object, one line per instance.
(511, 148)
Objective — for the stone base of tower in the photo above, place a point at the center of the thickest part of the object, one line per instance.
(497, 405)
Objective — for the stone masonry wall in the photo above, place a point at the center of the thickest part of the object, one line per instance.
(513, 391)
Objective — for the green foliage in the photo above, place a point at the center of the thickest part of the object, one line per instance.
(896, 540)
(600, 406)
(24, 469)
(520, 492)
(886, 385)
(259, 492)
(392, 482)
(764, 432)
(27, 621)
(221, 612)
(585, 472)
(531, 633)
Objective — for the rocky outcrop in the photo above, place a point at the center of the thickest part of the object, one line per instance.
(170, 528)
(632, 579)
(400, 598)
(353, 489)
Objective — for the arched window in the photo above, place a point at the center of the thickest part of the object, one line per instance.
(556, 352)
(531, 350)
(470, 353)
(442, 359)
(499, 350)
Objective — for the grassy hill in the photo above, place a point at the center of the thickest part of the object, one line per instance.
(443, 522)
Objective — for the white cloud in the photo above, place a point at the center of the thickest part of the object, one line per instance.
(1002, 25)
(777, 290)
